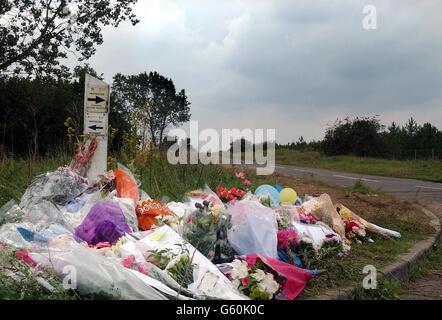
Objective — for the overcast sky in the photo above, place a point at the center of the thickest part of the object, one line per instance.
(294, 66)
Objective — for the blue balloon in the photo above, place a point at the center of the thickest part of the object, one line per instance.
(278, 187)
(266, 189)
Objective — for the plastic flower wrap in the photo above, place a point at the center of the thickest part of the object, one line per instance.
(288, 242)
(264, 278)
(83, 156)
(206, 229)
(148, 211)
(306, 216)
(59, 186)
(253, 281)
(227, 195)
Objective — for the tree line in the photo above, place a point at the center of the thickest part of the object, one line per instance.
(41, 115)
(368, 137)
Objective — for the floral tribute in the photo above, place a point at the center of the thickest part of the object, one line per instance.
(206, 229)
(253, 280)
(306, 217)
(264, 278)
(236, 192)
(353, 230)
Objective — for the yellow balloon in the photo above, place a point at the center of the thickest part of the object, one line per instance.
(288, 196)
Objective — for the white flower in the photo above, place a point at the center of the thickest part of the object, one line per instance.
(307, 240)
(216, 209)
(258, 275)
(268, 284)
(175, 260)
(239, 269)
(236, 283)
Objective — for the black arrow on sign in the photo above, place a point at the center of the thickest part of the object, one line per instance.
(97, 99)
(94, 127)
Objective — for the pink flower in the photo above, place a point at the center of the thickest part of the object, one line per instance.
(240, 175)
(247, 182)
(251, 259)
(105, 244)
(24, 256)
(245, 281)
(129, 261)
(287, 238)
(142, 268)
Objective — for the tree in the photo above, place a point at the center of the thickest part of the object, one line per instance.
(152, 104)
(33, 113)
(360, 136)
(36, 34)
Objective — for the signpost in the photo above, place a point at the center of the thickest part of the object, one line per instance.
(96, 112)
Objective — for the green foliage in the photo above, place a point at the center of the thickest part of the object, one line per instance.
(360, 136)
(256, 294)
(159, 257)
(387, 289)
(34, 113)
(19, 282)
(151, 103)
(182, 270)
(361, 187)
(367, 137)
(52, 29)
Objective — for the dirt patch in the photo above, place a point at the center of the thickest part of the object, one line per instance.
(425, 288)
(381, 209)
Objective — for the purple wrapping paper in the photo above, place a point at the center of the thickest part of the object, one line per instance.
(104, 222)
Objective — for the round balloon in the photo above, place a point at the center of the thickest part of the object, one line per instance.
(266, 189)
(288, 196)
(278, 187)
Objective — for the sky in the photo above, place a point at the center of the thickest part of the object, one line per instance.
(293, 66)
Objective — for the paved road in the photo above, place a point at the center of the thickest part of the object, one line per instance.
(424, 191)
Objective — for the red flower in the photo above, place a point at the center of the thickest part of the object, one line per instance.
(129, 261)
(24, 256)
(245, 281)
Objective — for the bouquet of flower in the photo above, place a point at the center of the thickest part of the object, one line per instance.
(288, 241)
(306, 216)
(353, 230)
(206, 229)
(83, 157)
(227, 195)
(255, 281)
(59, 186)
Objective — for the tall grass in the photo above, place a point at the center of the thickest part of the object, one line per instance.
(157, 177)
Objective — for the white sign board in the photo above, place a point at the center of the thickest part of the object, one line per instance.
(96, 111)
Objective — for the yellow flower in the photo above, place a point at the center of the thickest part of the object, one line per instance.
(117, 246)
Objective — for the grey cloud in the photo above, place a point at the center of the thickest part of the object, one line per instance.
(309, 61)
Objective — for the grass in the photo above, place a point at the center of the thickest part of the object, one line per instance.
(361, 187)
(416, 169)
(431, 263)
(162, 180)
(389, 288)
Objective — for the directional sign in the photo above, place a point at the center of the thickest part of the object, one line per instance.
(96, 111)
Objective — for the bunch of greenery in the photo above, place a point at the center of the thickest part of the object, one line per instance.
(206, 229)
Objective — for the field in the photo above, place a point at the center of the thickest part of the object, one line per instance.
(415, 169)
(164, 181)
